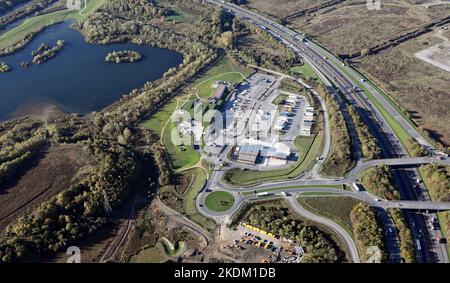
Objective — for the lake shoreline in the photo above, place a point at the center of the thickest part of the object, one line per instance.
(105, 87)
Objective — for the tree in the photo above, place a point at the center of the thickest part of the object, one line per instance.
(227, 39)
(365, 52)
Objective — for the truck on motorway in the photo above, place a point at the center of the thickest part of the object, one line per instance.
(262, 194)
(419, 246)
(357, 187)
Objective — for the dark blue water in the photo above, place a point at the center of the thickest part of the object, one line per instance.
(78, 79)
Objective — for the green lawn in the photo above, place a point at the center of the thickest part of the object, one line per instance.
(180, 156)
(158, 119)
(35, 23)
(305, 71)
(309, 148)
(335, 208)
(219, 201)
(176, 15)
(274, 190)
(224, 70)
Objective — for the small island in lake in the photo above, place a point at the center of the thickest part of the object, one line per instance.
(24, 64)
(123, 56)
(4, 67)
(43, 53)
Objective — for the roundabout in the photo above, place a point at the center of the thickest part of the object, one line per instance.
(219, 201)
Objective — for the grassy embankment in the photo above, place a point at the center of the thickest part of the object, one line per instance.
(305, 71)
(336, 208)
(35, 23)
(185, 202)
(288, 188)
(171, 249)
(198, 180)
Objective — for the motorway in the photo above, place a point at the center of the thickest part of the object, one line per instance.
(343, 79)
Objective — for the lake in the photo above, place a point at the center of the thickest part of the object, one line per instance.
(78, 79)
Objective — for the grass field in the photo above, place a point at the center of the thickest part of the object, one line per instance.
(309, 148)
(225, 70)
(219, 201)
(181, 157)
(149, 255)
(305, 71)
(337, 208)
(33, 24)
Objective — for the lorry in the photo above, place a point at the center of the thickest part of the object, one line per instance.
(357, 187)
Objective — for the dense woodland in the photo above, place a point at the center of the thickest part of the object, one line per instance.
(123, 56)
(20, 142)
(44, 52)
(366, 231)
(415, 149)
(257, 47)
(438, 181)
(340, 160)
(379, 181)
(318, 247)
(369, 145)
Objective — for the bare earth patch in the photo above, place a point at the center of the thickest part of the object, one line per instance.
(438, 55)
